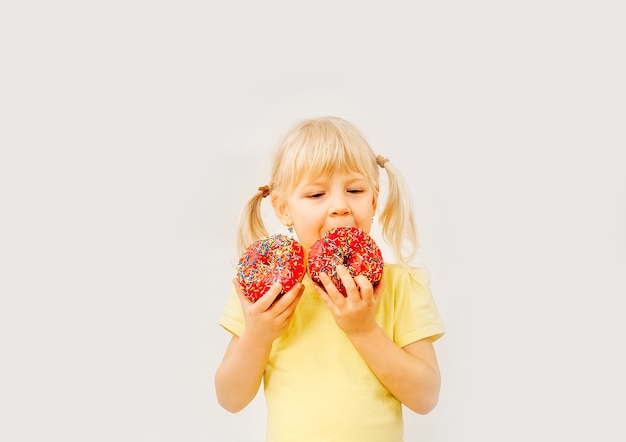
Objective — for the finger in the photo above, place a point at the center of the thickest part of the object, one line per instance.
(332, 306)
(366, 289)
(265, 301)
(332, 291)
(380, 287)
(290, 298)
(293, 305)
(352, 290)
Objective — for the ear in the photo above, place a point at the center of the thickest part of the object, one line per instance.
(282, 211)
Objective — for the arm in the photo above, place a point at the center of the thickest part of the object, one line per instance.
(410, 373)
(239, 375)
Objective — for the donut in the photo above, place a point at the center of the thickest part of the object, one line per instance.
(274, 258)
(349, 246)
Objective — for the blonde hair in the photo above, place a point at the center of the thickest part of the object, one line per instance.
(316, 148)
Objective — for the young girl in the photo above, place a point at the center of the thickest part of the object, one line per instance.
(334, 368)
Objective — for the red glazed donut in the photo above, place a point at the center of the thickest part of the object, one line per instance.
(275, 258)
(349, 246)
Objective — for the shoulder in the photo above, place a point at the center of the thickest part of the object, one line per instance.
(409, 300)
(400, 275)
(406, 285)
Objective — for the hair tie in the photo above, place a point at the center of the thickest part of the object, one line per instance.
(381, 160)
(265, 190)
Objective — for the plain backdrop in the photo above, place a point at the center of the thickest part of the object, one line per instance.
(131, 134)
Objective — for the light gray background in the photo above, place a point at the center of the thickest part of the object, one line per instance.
(132, 133)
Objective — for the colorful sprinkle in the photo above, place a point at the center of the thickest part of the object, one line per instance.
(275, 258)
(351, 247)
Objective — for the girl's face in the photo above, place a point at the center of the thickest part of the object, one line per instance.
(314, 207)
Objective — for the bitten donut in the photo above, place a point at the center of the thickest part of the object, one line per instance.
(349, 246)
(274, 258)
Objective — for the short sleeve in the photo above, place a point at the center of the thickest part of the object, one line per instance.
(232, 317)
(416, 314)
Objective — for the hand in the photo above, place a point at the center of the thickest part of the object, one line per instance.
(268, 317)
(355, 312)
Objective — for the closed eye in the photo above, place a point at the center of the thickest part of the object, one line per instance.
(316, 195)
(356, 191)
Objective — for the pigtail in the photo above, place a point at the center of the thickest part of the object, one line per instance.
(251, 225)
(397, 219)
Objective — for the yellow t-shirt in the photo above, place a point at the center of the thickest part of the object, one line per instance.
(317, 386)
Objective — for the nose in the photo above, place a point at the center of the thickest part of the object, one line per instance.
(339, 206)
